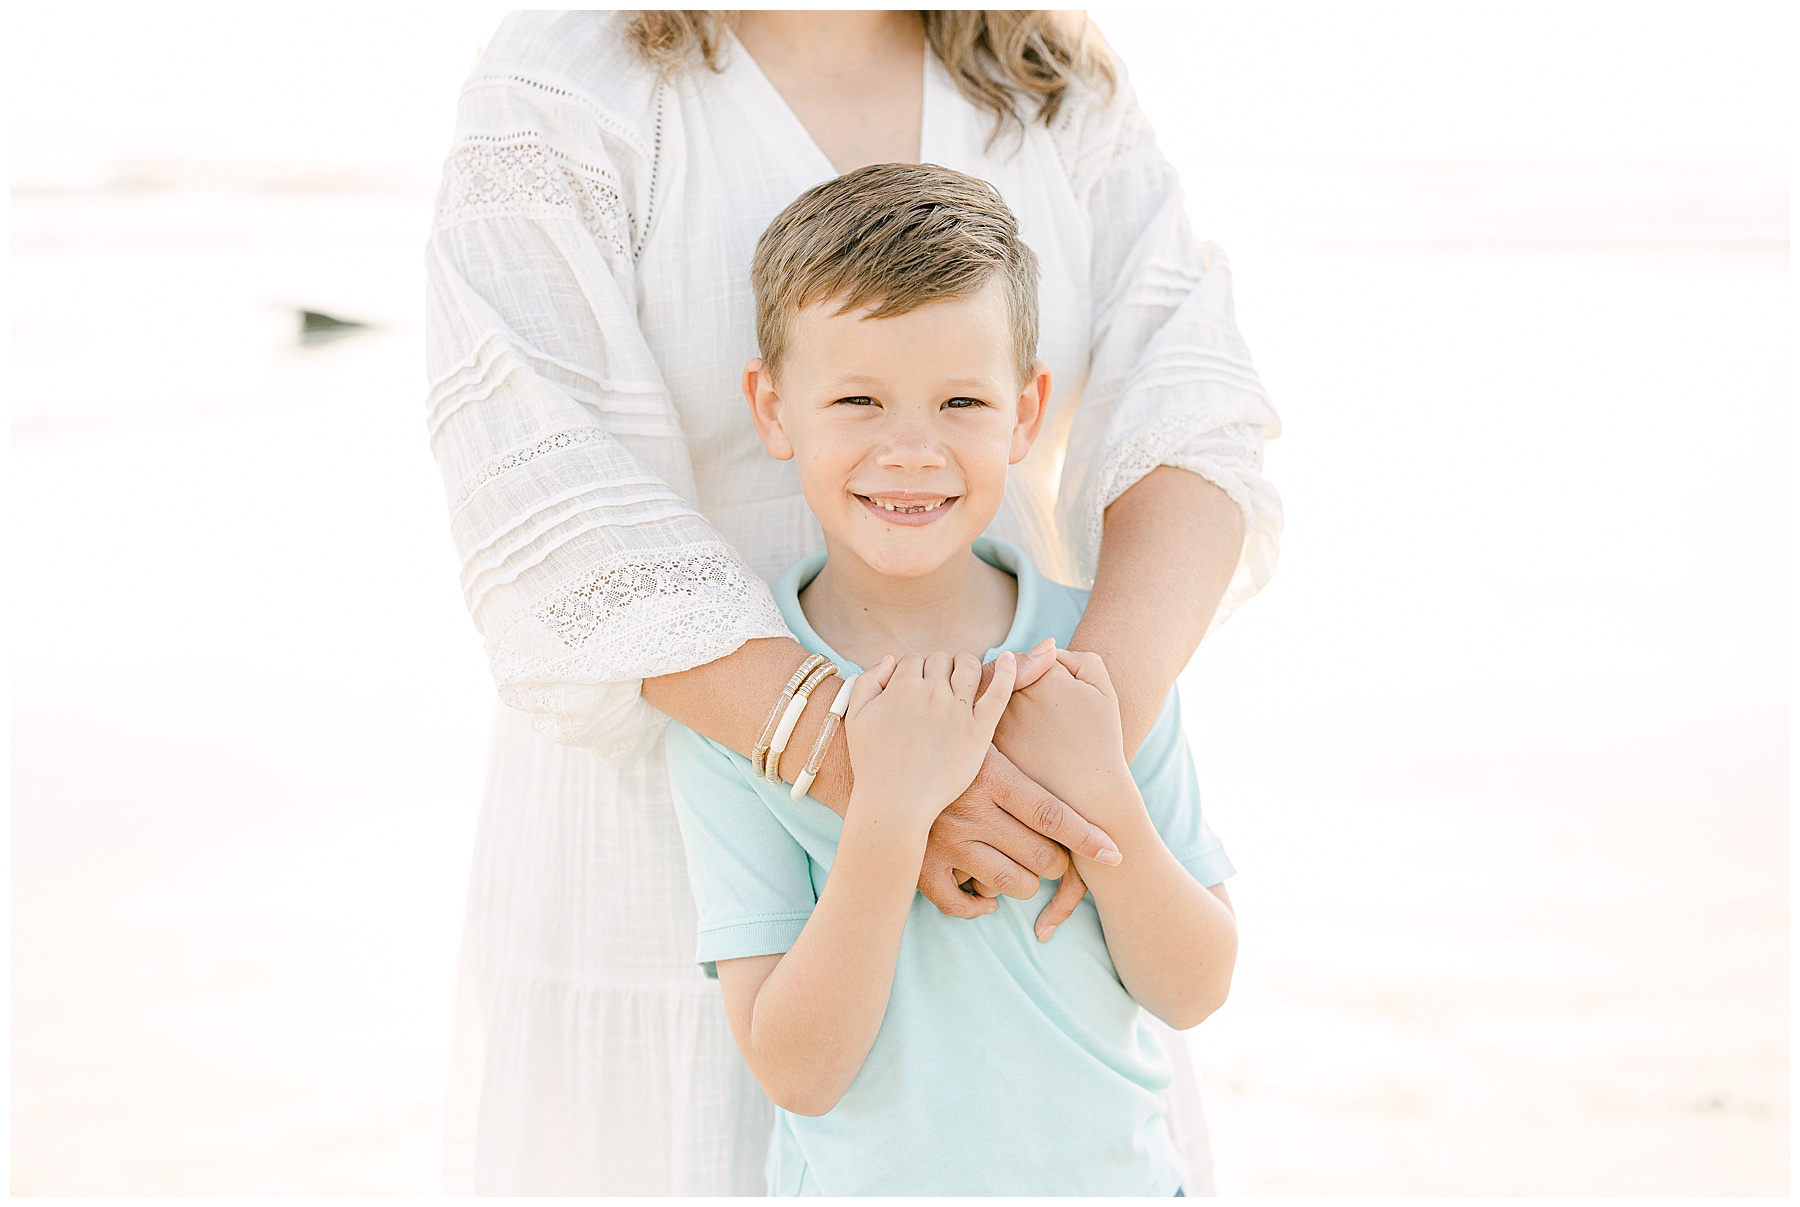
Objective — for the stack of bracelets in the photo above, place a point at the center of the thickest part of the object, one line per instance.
(765, 757)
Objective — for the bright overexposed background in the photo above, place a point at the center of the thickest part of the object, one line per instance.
(1500, 753)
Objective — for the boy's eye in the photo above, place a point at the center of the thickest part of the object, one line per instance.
(963, 403)
(857, 400)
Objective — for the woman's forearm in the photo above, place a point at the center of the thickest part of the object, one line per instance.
(1169, 548)
(814, 1017)
(1173, 941)
(729, 698)
(994, 833)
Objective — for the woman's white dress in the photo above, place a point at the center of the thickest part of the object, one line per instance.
(589, 315)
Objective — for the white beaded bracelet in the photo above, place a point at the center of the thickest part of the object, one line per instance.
(759, 755)
(791, 718)
(811, 772)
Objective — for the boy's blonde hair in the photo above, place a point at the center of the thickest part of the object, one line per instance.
(900, 235)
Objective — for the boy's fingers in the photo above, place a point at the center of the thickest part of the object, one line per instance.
(1082, 664)
(999, 691)
(882, 672)
(1075, 660)
(869, 684)
(937, 668)
(965, 678)
(1062, 905)
(1087, 667)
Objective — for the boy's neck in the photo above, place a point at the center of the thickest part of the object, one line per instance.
(965, 605)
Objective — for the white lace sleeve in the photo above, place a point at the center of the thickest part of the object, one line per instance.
(584, 561)
(1171, 381)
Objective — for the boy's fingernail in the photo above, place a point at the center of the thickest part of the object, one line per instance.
(1109, 857)
(1048, 643)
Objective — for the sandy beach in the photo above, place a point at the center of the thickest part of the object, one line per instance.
(1501, 753)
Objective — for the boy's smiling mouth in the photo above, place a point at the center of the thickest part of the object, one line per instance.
(907, 507)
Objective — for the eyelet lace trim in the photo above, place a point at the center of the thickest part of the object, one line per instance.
(519, 176)
(1160, 443)
(601, 604)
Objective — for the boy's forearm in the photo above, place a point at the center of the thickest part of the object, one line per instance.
(1173, 942)
(817, 1014)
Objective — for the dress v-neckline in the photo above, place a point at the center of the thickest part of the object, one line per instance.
(743, 62)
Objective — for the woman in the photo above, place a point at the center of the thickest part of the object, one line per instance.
(589, 317)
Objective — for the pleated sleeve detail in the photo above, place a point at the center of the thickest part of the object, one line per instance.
(1171, 380)
(585, 563)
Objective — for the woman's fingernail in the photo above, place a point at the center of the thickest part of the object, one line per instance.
(1044, 933)
(1109, 857)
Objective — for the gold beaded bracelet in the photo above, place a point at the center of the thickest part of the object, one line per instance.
(759, 754)
(791, 718)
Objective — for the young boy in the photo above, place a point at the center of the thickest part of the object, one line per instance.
(911, 1053)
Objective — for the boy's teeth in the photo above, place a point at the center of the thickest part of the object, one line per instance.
(907, 509)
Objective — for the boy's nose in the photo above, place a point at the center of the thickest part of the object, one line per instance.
(911, 451)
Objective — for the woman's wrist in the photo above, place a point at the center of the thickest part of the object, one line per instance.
(832, 784)
(729, 699)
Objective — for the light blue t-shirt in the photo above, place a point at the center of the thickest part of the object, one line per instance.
(1003, 1066)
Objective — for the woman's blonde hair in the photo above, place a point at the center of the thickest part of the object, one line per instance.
(1001, 59)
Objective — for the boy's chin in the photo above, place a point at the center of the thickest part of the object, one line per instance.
(909, 564)
(907, 559)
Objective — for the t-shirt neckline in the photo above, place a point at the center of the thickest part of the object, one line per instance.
(1002, 555)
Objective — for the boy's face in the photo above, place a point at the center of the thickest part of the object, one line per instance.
(902, 427)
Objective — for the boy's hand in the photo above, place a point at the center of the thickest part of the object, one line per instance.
(1065, 730)
(918, 732)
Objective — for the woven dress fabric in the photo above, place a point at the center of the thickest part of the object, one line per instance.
(589, 315)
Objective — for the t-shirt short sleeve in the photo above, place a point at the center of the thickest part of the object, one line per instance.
(1164, 771)
(750, 876)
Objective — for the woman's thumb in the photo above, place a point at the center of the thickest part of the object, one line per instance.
(1035, 663)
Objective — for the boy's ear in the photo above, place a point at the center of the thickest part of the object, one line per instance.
(765, 410)
(1034, 403)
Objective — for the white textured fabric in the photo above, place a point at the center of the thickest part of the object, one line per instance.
(616, 517)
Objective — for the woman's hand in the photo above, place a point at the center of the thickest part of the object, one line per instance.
(995, 835)
(918, 732)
